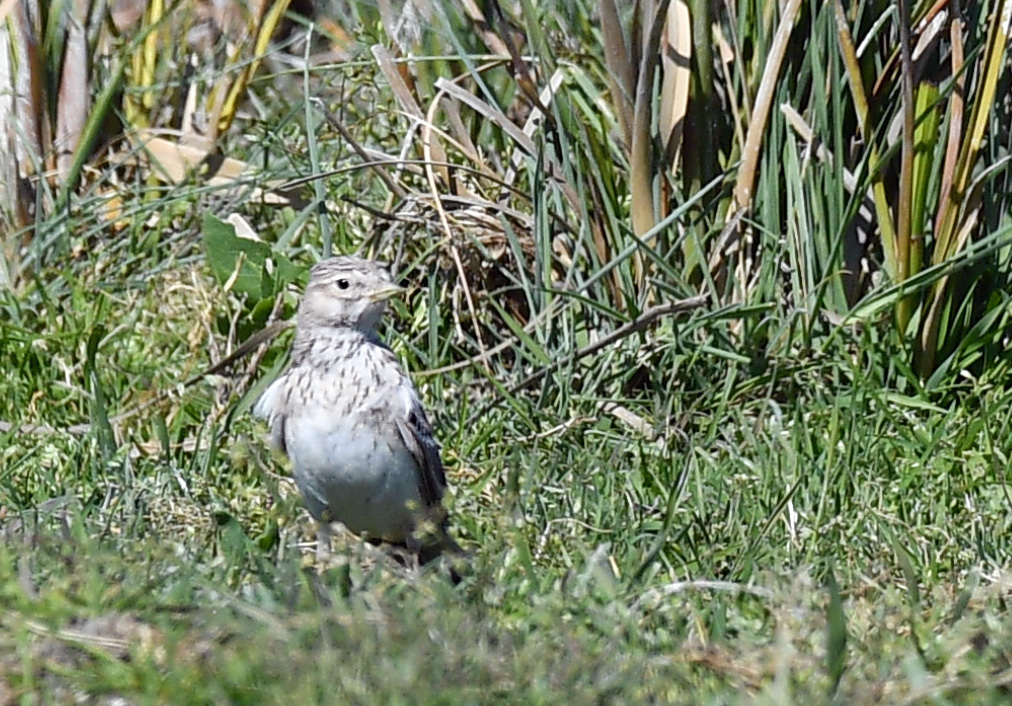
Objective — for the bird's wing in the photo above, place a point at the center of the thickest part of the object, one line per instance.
(416, 433)
(269, 407)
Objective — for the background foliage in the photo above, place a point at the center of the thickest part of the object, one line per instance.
(709, 302)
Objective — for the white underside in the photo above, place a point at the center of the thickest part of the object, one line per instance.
(367, 482)
(349, 469)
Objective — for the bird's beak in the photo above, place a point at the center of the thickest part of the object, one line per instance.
(386, 292)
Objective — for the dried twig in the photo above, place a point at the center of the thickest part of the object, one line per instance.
(260, 338)
(638, 324)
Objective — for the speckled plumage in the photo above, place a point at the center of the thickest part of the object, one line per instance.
(348, 416)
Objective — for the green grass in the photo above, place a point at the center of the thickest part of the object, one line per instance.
(755, 501)
(593, 543)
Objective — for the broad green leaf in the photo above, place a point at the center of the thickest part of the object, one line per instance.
(239, 264)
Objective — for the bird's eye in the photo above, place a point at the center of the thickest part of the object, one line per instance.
(342, 284)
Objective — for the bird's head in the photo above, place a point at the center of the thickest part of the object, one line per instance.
(347, 292)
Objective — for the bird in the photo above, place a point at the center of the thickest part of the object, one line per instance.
(350, 419)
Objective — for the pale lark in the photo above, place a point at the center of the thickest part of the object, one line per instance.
(350, 420)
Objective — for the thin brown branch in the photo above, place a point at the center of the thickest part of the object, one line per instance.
(640, 323)
(346, 135)
(260, 338)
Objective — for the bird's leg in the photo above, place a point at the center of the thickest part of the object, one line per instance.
(413, 548)
(322, 542)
